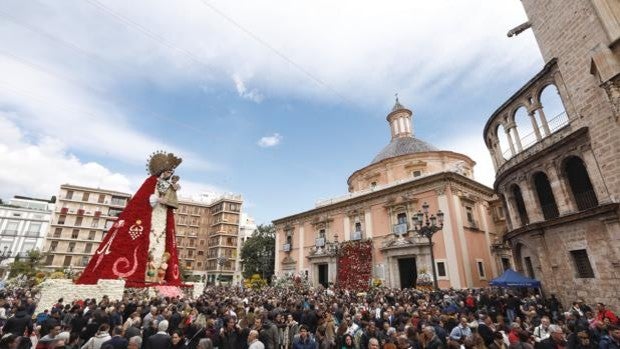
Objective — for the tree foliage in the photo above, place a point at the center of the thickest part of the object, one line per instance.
(28, 265)
(258, 252)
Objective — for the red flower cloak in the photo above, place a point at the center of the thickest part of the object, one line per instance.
(123, 253)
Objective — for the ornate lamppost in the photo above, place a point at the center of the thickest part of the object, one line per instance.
(426, 226)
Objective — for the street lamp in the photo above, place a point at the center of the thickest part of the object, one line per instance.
(426, 226)
(5, 253)
(335, 249)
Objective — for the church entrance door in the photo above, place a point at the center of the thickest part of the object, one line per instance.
(407, 272)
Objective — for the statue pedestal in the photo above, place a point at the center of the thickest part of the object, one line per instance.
(54, 289)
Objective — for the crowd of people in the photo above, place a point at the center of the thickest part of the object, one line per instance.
(307, 318)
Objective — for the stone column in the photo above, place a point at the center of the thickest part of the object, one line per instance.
(543, 121)
(511, 210)
(532, 205)
(510, 141)
(278, 266)
(596, 178)
(467, 265)
(448, 238)
(560, 191)
(532, 115)
(301, 253)
(368, 223)
(482, 212)
(517, 138)
(347, 228)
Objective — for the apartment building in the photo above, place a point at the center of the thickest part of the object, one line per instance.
(23, 224)
(80, 220)
(222, 252)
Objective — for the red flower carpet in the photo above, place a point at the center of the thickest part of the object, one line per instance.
(355, 265)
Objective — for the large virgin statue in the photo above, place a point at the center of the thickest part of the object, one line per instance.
(141, 246)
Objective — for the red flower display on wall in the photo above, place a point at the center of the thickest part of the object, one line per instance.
(355, 265)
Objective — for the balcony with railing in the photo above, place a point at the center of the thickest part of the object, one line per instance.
(537, 116)
(400, 229)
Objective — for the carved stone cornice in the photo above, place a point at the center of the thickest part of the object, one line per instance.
(605, 210)
(420, 185)
(402, 242)
(562, 146)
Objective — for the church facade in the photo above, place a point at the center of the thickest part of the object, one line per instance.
(379, 210)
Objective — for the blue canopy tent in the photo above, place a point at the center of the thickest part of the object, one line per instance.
(511, 278)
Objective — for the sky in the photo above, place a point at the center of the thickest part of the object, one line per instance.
(279, 101)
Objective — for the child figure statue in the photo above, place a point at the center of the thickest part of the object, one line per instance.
(170, 196)
(161, 271)
(151, 271)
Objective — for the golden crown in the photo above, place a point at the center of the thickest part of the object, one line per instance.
(161, 161)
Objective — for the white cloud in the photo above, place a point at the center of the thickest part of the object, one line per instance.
(362, 52)
(39, 168)
(252, 95)
(270, 141)
(473, 146)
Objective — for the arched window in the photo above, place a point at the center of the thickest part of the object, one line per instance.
(580, 185)
(524, 125)
(520, 205)
(545, 196)
(553, 108)
(504, 145)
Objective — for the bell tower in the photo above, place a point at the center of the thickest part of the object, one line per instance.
(400, 121)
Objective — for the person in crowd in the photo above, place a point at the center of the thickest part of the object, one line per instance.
(304, 341)
(253, 341)
(541, 332)
(117, 341)
(134, 342)
(161, 339)
(604, 314)
(461, 332)
(177, 340)
(556, 340)
(612, 340)
(20, 323)
(102, 336)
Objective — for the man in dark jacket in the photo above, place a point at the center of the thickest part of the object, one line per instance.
(557, 340)
(19, 323)
(267, 332)
(174, 320)
(160, 340)
(486, 329)
(117, 341)
(611, 341)
(50, 322)
(433, 342)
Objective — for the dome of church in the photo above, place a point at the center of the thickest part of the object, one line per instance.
(402, 146)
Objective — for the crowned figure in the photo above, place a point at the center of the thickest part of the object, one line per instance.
(140, 247)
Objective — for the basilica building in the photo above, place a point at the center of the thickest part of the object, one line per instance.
(371, 234)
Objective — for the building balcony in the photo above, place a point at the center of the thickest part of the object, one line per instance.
(356, 235)
(400, 229)
(531, 120)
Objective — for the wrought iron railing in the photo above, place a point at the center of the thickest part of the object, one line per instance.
(585, 200)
